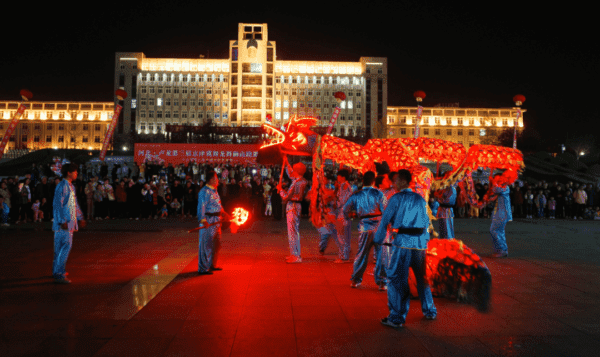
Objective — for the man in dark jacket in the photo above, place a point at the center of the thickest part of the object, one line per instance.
(257, 198)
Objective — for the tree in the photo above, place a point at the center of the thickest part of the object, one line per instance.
(528, 140)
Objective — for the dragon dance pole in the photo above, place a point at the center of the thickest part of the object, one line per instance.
(26, 95)
(339, 97)
(121, 94)
(419, 96)
(518, 99)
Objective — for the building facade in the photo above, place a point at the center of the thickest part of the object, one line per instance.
(60, 125)
(468, 126)
(242, 91)
(246, 87)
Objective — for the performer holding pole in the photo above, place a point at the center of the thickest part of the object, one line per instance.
(501, 215)
(406, 212)
(293, 197)
(209, 213)
(341, 229)
(445, 212)
(368, 205)
(388, 189)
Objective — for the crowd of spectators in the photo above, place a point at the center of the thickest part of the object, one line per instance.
(160, 191)
(542, 200)
(148, 191)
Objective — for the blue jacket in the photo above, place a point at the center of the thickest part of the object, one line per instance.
(502, 211)
(405, 209)
(65, 207)
(368, 201)
(208, 201)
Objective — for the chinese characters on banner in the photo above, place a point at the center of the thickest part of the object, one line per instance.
(417, 123)
(11, 128)
(515, 133)
(110, 131)
(334, 117)
(201, 153)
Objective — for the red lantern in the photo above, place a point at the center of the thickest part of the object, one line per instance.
(121, 94)
(340, 96)
(419, 95)
(25, 94)
(519, 99)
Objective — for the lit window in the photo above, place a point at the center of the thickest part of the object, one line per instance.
(159, 102)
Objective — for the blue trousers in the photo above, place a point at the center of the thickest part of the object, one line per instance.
(342, 239)
(398, 290)
(327, 232)
(63, 240)
(499, 235)
(209, 245)
(446, 228)
(292, 215)
(365, 242)
(385, 253)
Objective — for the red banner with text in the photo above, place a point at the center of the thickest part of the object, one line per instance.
(201, 153)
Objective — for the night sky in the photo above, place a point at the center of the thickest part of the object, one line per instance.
(476, 54)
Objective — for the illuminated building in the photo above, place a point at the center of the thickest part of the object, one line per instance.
(61, 125)
(468, 126)
(246, 87)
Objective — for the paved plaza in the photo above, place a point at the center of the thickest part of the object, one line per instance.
(135, 292)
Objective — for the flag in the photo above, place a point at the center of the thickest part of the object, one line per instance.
(417, 128)
(110, 131)
(11, 128)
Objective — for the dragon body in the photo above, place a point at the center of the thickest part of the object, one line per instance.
(449, 276)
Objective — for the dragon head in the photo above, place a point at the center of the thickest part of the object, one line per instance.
(296, 139)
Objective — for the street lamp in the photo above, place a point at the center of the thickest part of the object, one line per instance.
(581, 153)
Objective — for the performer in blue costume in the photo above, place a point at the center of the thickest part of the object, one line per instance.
(328, 230)
(340, 231)
(368, 205)
(406, 212)
(445, 213)
(343, 192)
(388, 190)
(501, 215)
(209, 211)
(434, 205)
(294, 196)
(66, 214)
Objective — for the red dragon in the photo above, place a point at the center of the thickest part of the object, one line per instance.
(454, 270)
